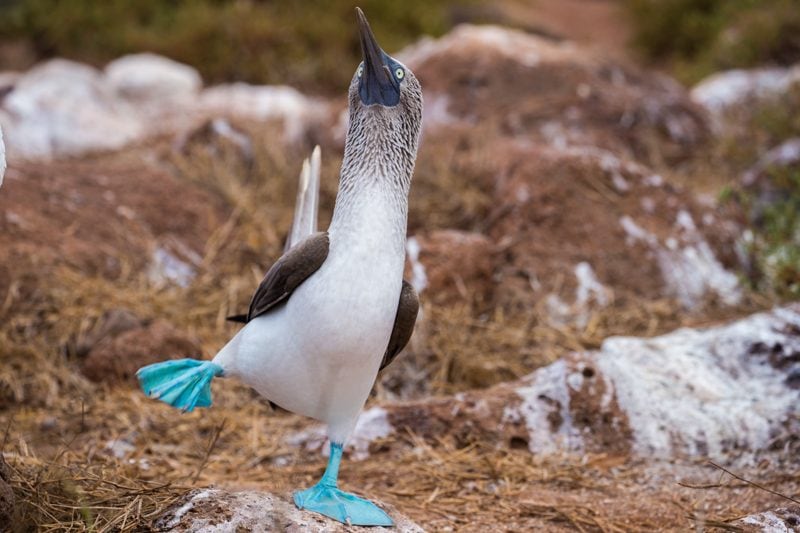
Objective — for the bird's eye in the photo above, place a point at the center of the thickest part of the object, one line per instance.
(360, 70)
(399, 73)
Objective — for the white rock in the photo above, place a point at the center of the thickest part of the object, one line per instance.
(419, 279)
(589, 287)
(730, 393)
(372, 424)
(715, 392)
(590, 294)
(263, 102)
(153, 78)
(219, 511)
(724, 90)
(707, 392)
(688, 265)
(550, 383)
(780, 520)
(785, 154)
(64, 108)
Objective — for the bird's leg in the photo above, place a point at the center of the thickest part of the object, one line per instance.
(331, 476)
(326, 498)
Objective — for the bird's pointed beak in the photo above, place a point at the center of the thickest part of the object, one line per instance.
(376, 86)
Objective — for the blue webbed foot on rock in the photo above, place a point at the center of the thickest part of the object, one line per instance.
(326, 499)
(342, 506)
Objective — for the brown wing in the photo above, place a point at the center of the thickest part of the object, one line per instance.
(404, 322)
(288, 272)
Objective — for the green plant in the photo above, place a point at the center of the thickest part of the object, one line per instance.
(698, 37)
(775, 219)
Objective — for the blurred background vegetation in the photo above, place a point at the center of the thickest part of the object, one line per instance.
(275, 41)
(256, 41)
(698, 37)
(278, 42)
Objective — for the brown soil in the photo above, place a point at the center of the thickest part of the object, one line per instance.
(96, 215)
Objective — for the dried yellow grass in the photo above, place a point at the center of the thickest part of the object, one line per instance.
(88, 457)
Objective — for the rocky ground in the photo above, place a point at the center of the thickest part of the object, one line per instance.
(591, 353)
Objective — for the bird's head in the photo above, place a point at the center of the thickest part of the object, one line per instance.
(385, 96)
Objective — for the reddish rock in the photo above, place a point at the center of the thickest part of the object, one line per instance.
(635, 233)
(116, 208)
(576, 228)
(532, 88)
(117, 359)
(451, 266)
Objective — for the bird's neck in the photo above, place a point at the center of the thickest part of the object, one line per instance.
(374, 182)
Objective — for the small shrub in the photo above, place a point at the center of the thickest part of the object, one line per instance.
(773, 243)
(698, 37)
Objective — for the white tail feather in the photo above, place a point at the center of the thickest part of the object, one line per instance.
(307, 205)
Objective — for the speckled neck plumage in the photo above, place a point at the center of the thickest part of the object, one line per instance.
(379, 155)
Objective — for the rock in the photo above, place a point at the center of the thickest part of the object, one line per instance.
(726, 91)
(532, 88)
(261, 103)
(780, 520)
(117, 359)
(728, 393)
(65, 108)
(742, 103)
(784, 156)
(2, 158)
(216, 510)
(149, 78)
(451, 265)
(582, 227)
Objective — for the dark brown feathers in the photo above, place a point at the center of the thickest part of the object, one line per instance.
(288, 273)
(404, 322)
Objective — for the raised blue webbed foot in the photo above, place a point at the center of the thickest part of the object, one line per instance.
(342, 506)
(326, 499)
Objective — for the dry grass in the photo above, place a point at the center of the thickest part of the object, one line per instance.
(88, 457)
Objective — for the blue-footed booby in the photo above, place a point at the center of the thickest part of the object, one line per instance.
(334, 309)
